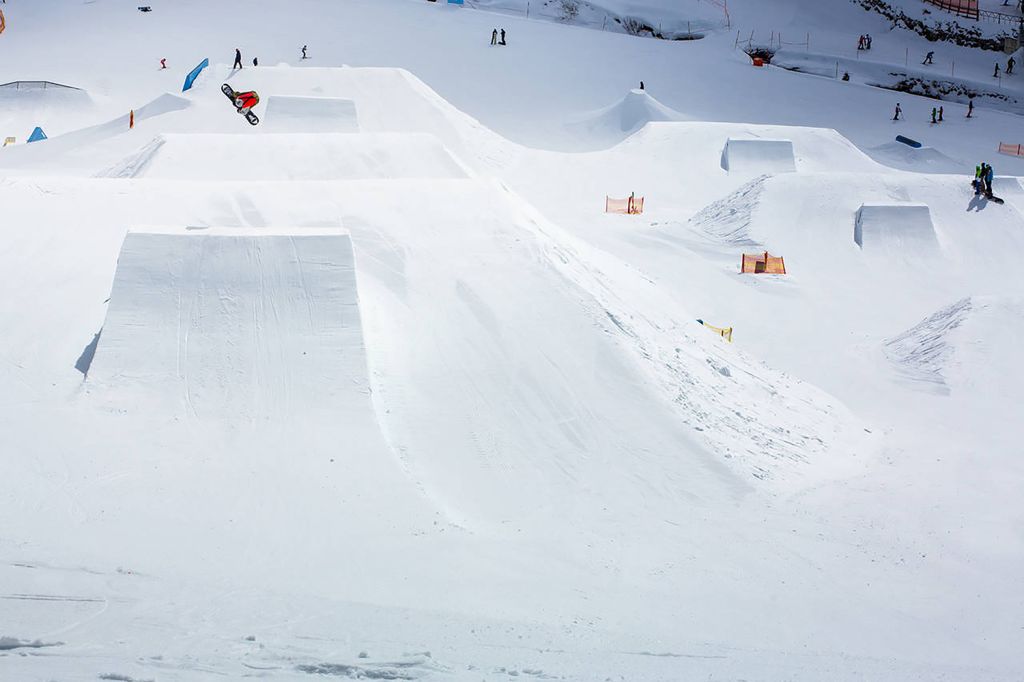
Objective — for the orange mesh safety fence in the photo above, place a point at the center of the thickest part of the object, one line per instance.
(629, 205)
(763, 263)
(1011, 149)
(3, 22)
(963, 8)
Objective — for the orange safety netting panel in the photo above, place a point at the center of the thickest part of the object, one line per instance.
(1011, 149)
(3, 22)
(763, 263)
(629, 205)
(963, 8)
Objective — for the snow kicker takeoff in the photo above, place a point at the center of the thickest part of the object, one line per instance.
(243, 101)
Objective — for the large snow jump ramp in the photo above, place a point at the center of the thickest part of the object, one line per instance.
(286, 114)
(294, 157)
(234, 322)
(905, 229)
(758, 156)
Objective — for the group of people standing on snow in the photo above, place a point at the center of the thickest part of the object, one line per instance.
(937, 112)
(494, 37)
(865, 42)
(983, 179)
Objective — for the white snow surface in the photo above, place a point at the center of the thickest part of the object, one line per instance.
(376, 390)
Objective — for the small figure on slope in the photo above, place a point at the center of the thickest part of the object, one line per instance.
(238, 59)
(243, 101)
(970, 107)
(1010, 63)
(995, 74)
(304, 52)
(502, 41)
(494, 37)
(899, 111)
(928, 58)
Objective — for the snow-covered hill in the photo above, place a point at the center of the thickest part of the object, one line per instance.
(377, 389)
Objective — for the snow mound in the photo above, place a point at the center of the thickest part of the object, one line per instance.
(925, 159)
(921, 352)
(233, 322)
(758, 156)
(903, 229)
(310, 115)
(296, 156)
(728, 220)
(964, 347)
(629, 114)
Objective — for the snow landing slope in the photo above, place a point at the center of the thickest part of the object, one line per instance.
(522, 456)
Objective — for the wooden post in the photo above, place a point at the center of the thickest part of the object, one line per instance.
(131, 119)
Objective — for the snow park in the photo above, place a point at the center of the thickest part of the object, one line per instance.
(494, 340)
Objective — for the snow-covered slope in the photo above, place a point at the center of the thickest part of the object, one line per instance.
(377, 390)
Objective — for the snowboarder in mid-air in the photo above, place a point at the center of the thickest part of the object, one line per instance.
(243, 101)
(238, 59)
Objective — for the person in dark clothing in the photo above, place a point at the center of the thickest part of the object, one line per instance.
(846, 75)
(989, 175)
(255, 61)
(1010, 63)
(494, 37)
(995, 74)
(861, 42)
(940, 114)
(238, 59)
(899, 111)
(867, 41)
(928, 58)
(641, 85)
(502, 42)
(304, 52)
(933, 115)
(970, 107)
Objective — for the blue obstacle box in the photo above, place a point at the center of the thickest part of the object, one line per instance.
(907, 141)
(194, 74)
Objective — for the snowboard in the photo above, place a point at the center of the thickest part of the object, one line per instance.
(250, 116)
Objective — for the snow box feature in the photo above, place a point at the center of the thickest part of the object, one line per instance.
(311, 115)
(896, 228)
(758, 156)
(239, 322)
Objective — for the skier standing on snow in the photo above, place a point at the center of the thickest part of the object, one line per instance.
(1010, 63)
(304, 52)
(940, 114)
(255, 61)
(976, 183)
(933, 115)
(861, 42)
(928, 58)
(494, 37)
(502, 37)
(867, 41)
(238, 59)
(995, 74)
(899, 111)
(970, 107)
(988, 179)
(641, 85)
